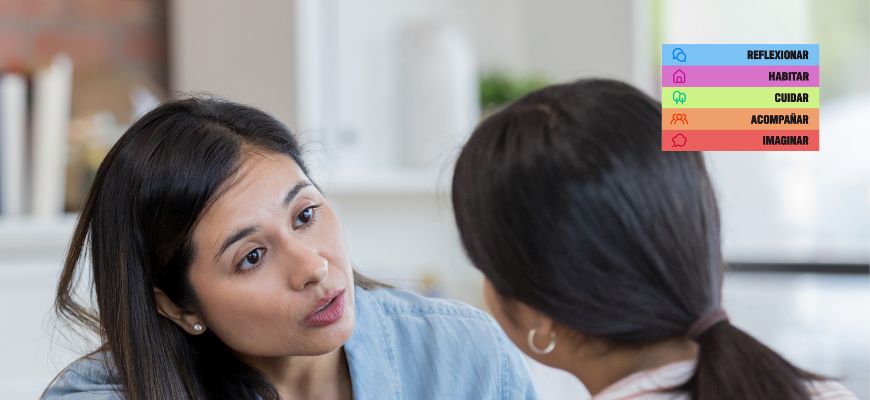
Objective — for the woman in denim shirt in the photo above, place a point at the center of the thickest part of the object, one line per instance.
(220, 273)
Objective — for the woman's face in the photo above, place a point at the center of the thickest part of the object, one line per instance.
(269, 255)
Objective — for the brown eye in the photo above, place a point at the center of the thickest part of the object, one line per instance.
(250, 260)
(305, 217)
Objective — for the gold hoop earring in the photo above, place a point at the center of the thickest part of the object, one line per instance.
(546, 350)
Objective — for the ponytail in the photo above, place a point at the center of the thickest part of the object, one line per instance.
(733, 365)
(565, 202)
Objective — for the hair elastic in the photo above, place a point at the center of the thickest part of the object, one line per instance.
(707, 321)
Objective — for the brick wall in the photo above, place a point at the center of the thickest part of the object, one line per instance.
(100, 35)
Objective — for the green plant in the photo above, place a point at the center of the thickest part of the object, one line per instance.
(499, 88)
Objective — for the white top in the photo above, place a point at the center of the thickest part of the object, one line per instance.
(654, 384)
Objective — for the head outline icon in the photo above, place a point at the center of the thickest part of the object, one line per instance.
(678, 54)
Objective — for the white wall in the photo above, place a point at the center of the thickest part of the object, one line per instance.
(786, 206)
(818, 322)
(33, 346)
(549, 37)
(574, 39)
(241, 50)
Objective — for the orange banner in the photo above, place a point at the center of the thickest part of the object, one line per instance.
(694, 119)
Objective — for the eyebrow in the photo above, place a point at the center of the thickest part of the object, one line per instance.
(248, 230)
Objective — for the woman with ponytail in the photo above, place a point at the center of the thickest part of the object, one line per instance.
(601, 253)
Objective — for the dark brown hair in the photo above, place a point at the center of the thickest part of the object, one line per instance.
(565, 201)
(135, 229)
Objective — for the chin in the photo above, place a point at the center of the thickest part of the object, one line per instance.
(343, 329)
(336, 335)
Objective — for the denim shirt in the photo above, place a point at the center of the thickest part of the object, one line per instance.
(404, 346)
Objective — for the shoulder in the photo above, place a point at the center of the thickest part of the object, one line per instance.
(84, 379)
(439, 321)
(397, 302)
(445, 341)
(829, 390)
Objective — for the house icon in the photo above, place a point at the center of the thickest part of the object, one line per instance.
(679, 76)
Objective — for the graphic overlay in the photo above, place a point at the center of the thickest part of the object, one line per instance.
(740, 97)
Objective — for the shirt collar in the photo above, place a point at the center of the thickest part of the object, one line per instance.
(370, 351)
(663, 378)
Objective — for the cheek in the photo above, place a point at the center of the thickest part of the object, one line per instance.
(331, 241)
(263, 319)
(244, 310)
(236, 304)
(332, 232)
(496, 304)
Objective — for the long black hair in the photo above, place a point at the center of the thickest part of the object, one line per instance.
(135, 229)
(565, 201)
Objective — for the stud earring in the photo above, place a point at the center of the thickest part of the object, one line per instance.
(198, 328)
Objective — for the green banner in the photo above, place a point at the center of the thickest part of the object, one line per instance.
(740, 97)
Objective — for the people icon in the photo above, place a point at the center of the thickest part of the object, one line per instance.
(679, 118)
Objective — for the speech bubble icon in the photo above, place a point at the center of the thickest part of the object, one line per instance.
(678, 54)
(679, 140)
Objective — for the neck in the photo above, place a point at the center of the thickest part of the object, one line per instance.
(325, 376)
(601, 367)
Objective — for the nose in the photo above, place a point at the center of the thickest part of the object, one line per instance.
(303, 263)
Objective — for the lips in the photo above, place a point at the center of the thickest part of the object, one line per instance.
(328, 310)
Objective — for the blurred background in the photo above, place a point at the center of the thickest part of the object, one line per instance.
(383, 93)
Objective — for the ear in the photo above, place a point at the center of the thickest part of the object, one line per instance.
(517, 315)
(181, 317)
(530, 318)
